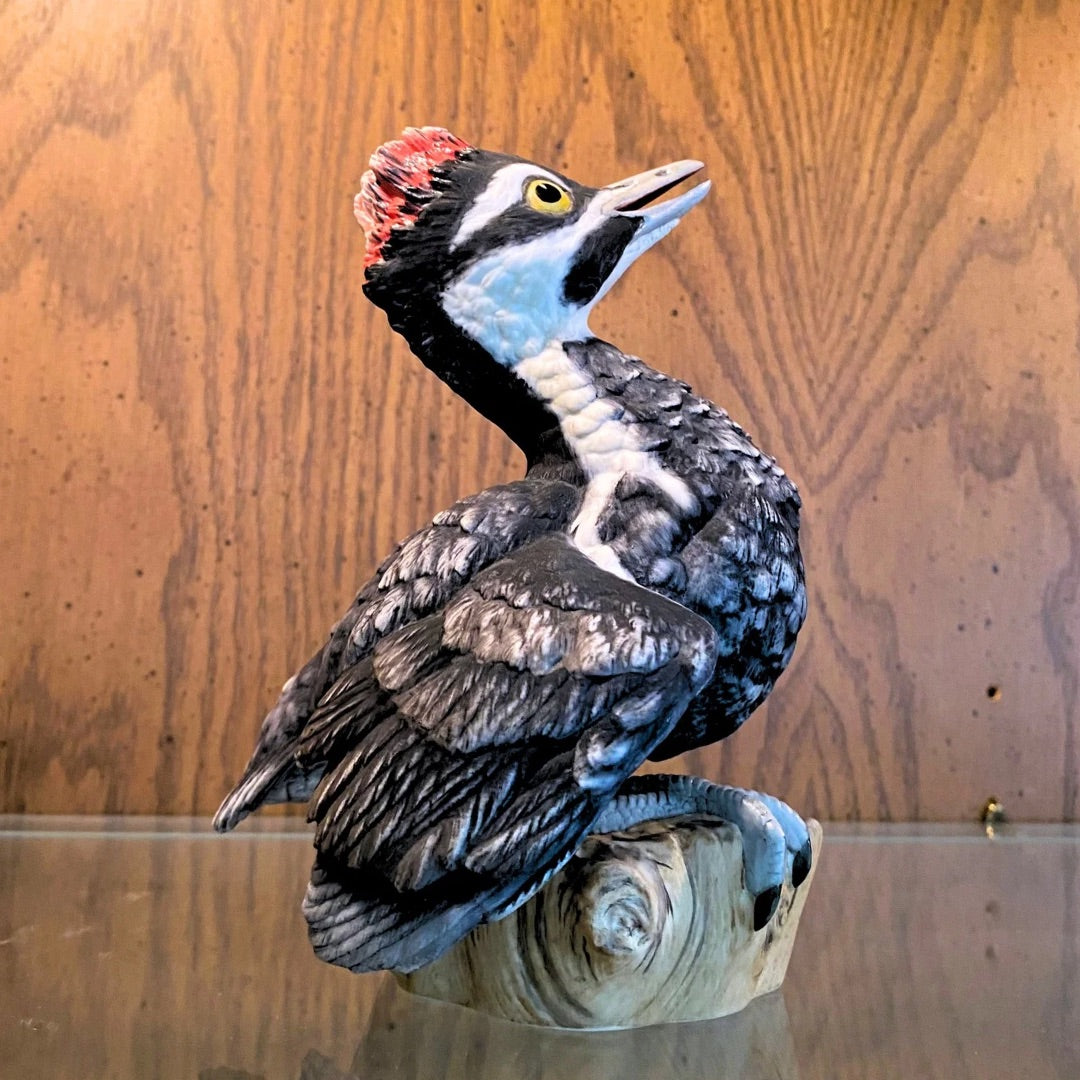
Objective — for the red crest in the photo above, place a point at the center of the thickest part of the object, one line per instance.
(397, 185)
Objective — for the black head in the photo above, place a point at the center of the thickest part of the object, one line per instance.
(494, 235)
(482, 260)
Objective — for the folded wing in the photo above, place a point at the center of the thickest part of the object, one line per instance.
(463, 760)
(418, 578)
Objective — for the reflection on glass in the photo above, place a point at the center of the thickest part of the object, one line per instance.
(136, 953)
(412, 1038)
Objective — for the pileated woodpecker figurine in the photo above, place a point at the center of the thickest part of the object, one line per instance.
(484, 703)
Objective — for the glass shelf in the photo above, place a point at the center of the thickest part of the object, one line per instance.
(150, 947)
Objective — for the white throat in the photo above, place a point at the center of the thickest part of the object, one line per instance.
(511, 303)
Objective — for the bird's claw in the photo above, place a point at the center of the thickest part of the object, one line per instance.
(801, 864)
(799, 850)
(775, 840)
(765, 905)
(776, 843)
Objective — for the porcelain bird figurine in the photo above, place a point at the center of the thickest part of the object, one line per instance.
(482, 706)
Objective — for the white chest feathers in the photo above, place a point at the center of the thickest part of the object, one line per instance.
(605, 441)
(519, 315)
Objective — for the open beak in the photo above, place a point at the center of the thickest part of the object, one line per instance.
(631, 197)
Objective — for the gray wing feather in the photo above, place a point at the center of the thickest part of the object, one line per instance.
(469, 753)
(743, 572)
(421, 575)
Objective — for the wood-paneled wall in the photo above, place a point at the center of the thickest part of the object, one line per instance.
(210, 437)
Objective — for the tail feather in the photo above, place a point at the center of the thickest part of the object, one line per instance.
(359, 921)
(273, 778)
(352, 926)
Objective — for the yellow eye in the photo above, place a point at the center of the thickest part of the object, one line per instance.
(548, 197)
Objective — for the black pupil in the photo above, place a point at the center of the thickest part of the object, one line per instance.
(548, 193)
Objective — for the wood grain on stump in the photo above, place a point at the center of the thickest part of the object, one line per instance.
(645, 927)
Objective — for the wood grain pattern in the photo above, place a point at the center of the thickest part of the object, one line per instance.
(651, 926)
(210, 437)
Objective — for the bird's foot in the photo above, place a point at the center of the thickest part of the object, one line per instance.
(775, 839)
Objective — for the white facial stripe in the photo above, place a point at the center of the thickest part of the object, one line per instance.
(511, 301)
(503, 191)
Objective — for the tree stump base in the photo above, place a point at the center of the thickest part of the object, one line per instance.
(649, 926)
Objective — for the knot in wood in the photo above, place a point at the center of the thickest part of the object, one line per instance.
(623, 901)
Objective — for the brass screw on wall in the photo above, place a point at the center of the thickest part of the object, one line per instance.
(993, 813)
